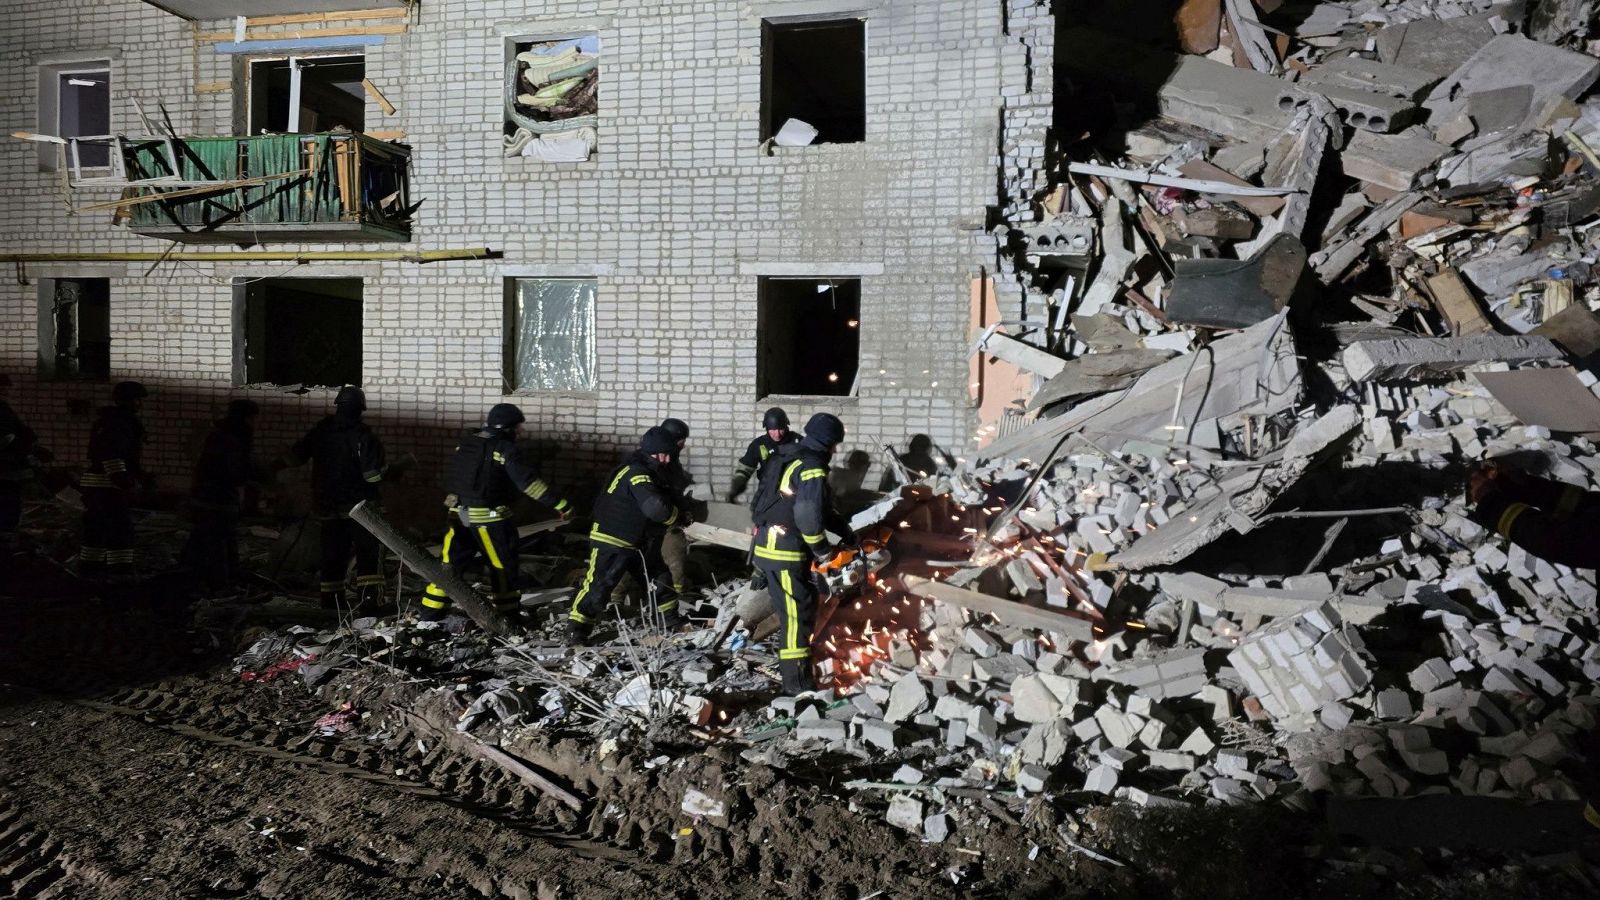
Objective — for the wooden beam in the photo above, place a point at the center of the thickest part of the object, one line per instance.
(227, 37)
(346, 16)
(1456, 305)
(377, 96)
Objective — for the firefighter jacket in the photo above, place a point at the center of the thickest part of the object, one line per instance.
(762, 449)
(347, 463)
(1559, 523)
(116, 445)
(488, 472)
(225, 465)
(635, 501)
(794, 507)
(16, 444)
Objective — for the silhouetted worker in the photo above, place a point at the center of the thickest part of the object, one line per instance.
(19, 450)
(633, 506)
(227, 463)
(116, 469)
(347, 466)
(1556, 522)
(484, 477)
(762, 450)
(673, 544)
(918, 460)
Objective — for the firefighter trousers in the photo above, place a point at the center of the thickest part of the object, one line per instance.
(107, 528)
(212, 551)
(794, 601)
(496, 542)
(607, 566)
(340, 538)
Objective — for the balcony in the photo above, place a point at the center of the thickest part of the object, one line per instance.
(267, 188)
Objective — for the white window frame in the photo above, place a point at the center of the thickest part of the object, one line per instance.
(294, 82)
(50, 75)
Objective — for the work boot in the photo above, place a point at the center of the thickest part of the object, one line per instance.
(796, 676)
(577, 633)
(673, 621)
(758, 581)
(429, 614)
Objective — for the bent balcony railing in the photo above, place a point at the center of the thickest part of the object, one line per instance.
(271, 187)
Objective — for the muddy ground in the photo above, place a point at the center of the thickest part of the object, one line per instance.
(134, 764)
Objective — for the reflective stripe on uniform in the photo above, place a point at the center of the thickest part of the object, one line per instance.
(595, 534)
(369, 580)
(811, 474)
(583, 589)
(444, 555)
(95, 479)
(537, 489)
(374, 476)
(617, 480)
(488, 547)
(813, 538)
(639, 479)
(769, 550)
(1509, 518)
(783, 483)
(113, 465)
(330, 586)
(436, 602)
(791, 635)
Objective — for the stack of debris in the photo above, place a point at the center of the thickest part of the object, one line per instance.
(551, 109)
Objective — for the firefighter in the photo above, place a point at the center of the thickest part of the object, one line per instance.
(116, 445)
(347, 467)
(19, 450)
(1556, 522)
(484, 476)
(226, 465)
(765, 447)
(674, 545)
(793, 512)
(634, 504)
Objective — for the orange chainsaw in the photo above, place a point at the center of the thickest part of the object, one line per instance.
(849, 566)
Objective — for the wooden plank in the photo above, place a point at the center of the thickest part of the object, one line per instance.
(1010, 612)
(213, 87)
(377, 96)
(227, 37)
(392, 134)
(1456, 304)
(346, 16)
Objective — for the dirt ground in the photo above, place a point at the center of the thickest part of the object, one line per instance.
(134, 764)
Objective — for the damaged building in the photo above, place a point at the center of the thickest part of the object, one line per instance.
(605, 213)
(1248, 550)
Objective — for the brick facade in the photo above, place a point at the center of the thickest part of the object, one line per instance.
(676, 216)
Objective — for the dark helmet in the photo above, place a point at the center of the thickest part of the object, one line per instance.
(504, 417)
(678, 428)
(658, 440)
(243, 409)
(128, 391)
(352, 396)
(775, 418)
(825, 429)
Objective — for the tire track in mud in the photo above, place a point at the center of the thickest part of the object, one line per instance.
(33, 864)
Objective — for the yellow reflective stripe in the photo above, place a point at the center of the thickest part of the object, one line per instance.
(499, 458)
(113, 465)
(639, 479)
(368, 580)
(617, 480)
(1570, 497)
(537, 489)
(783, 485)
(791, 623)
(482, 515)
(488, 547)
(595, 534)
(561, 505)
(95, 479)
(583, 589)
(812, 474)
(434, 590)
(375, 476)
(672, 518)
(435, 603)
(1591, 815)
(1509, 517)
(814, 538)
(764, 452)
(444, 556)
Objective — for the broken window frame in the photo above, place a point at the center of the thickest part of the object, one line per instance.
(61, 361)
(768, 124)
(512, 121)
(50, 119)
(248, 75)
(585, 371)
(246, 291)
(765, 379)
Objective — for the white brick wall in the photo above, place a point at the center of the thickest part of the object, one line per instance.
(669, 217)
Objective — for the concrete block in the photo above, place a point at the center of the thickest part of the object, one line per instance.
(880, 734)
(908, 697)
(829, 730)
(936, 828)
(1389, 359)
(905, 812)
(1032, 778)
(1101, 779)
(1393, 704)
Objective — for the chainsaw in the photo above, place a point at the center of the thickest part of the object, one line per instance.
(849, 567)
